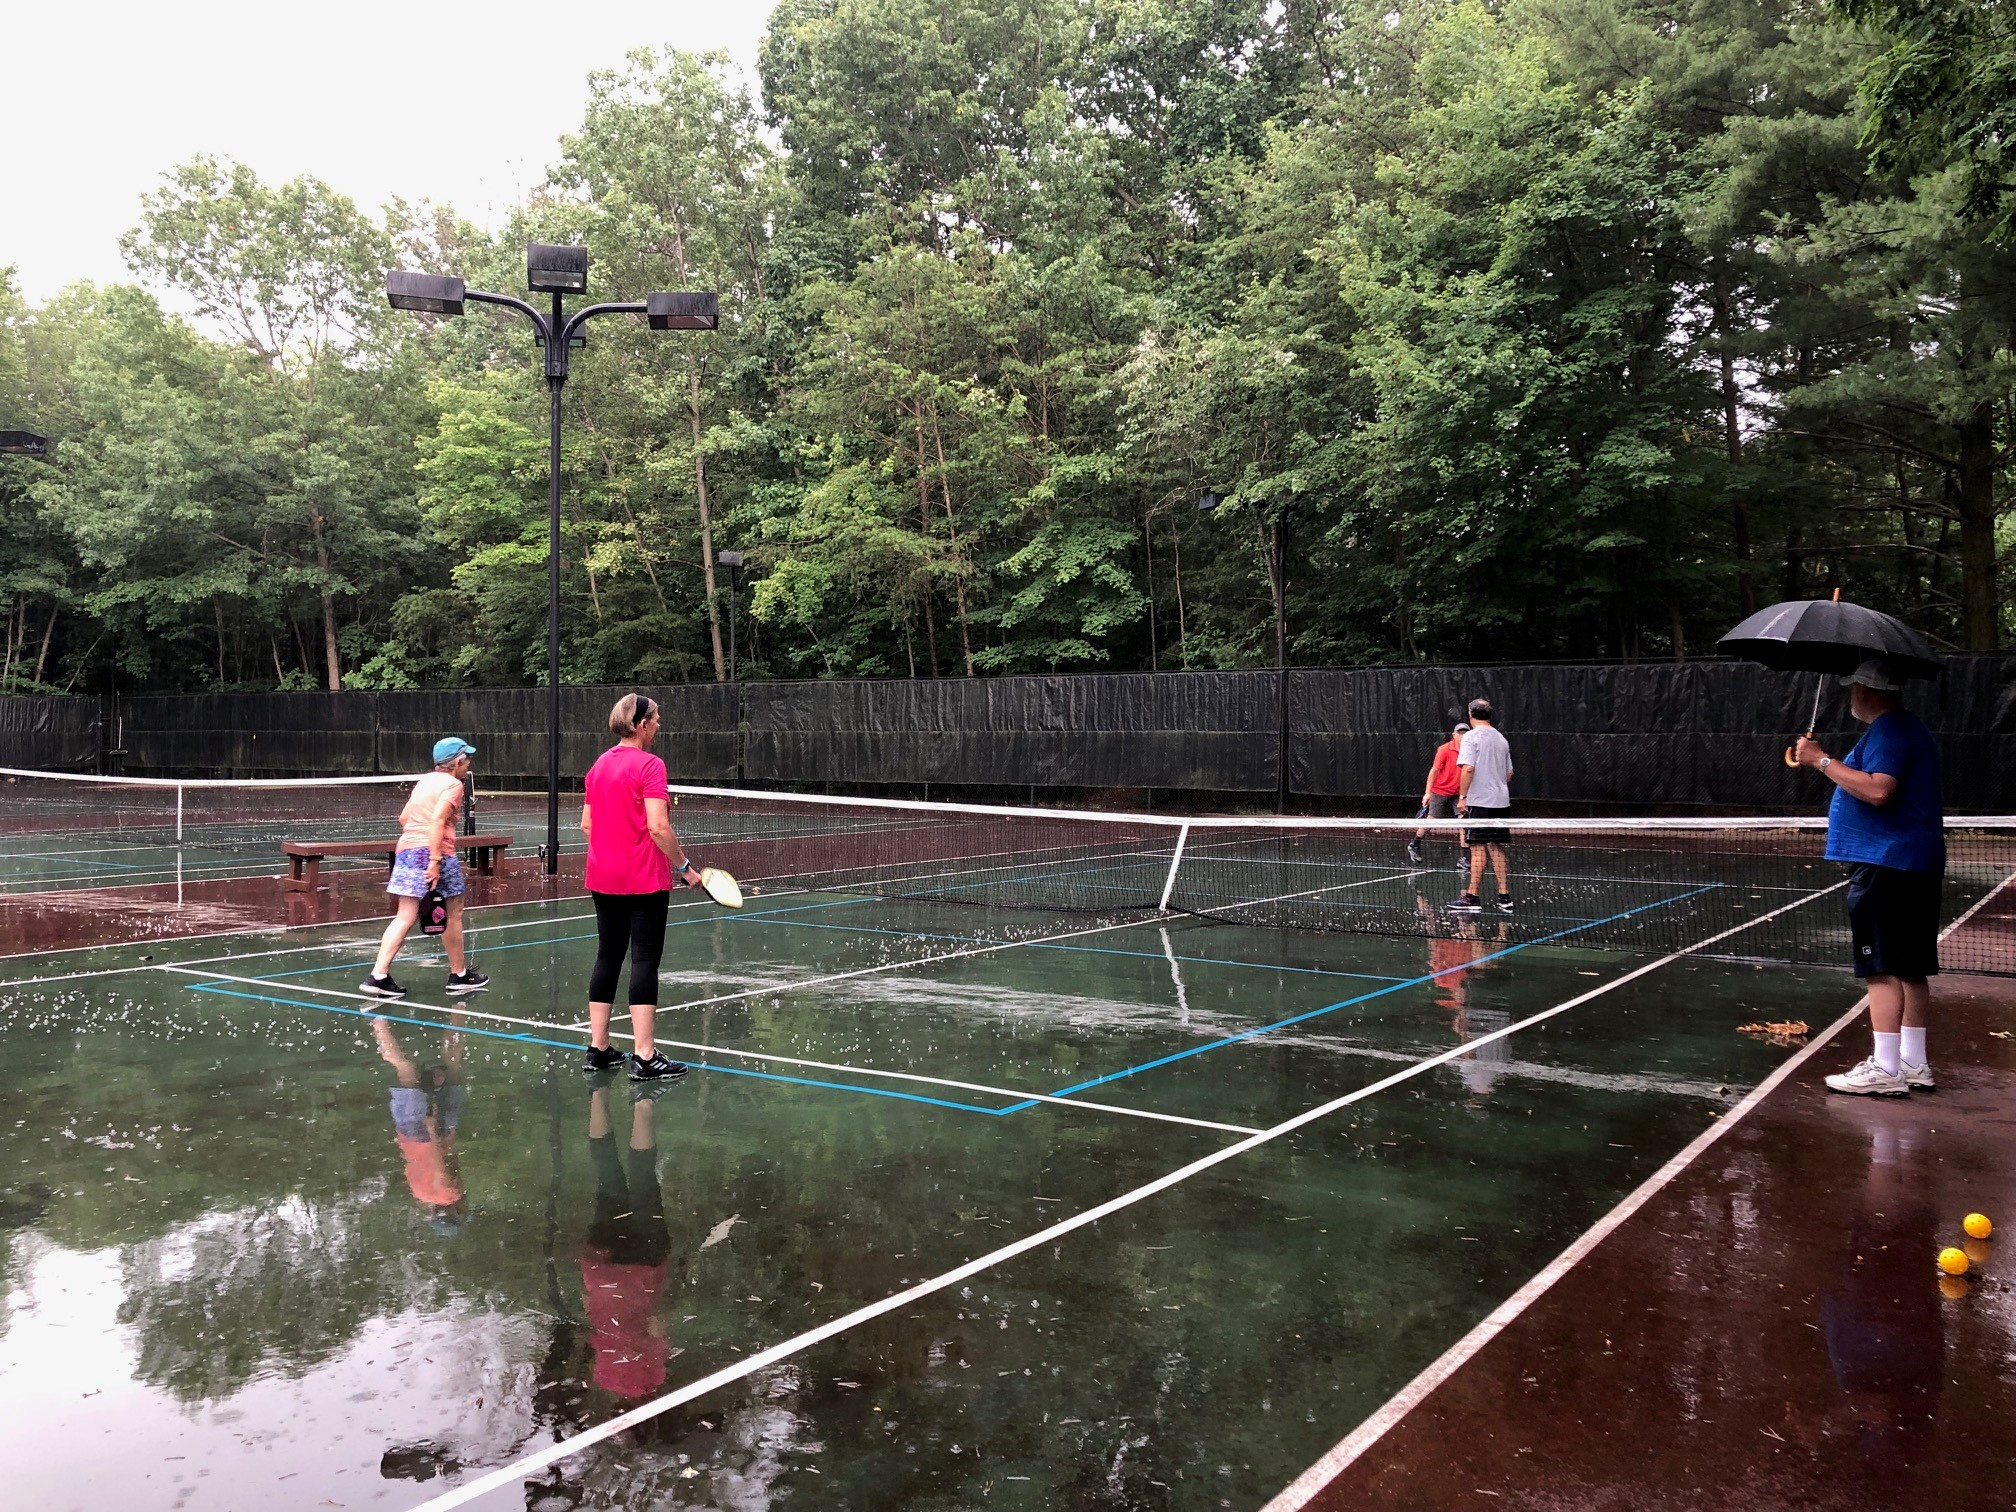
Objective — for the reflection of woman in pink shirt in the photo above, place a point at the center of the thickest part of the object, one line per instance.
(632, 852)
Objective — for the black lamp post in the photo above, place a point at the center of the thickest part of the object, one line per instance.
(732, 560)
(556, 271)
(1274, 514)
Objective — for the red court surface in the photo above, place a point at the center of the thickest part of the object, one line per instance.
(1769, 1330)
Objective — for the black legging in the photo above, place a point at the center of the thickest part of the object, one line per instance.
(633, 922)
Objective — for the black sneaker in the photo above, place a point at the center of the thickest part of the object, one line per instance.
(467, 981)
(1504, 902)
(607, 1059)
(1466, 904)
(655, 1069)
(381, 987)
(1414, 852)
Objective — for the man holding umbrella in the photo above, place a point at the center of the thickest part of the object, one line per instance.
(1885, 821)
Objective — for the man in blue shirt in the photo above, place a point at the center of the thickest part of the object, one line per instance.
(1886, 822)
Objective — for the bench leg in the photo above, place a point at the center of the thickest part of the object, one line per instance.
(303, 873)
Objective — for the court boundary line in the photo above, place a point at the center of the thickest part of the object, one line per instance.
(257, 955)
(1018, 1099)
(1348, 1450)
(741, 1369)
(250, 929)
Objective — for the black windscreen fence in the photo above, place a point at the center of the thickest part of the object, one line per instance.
(1197, 731)
(51, 734)
(1647, 737)
(343, 734)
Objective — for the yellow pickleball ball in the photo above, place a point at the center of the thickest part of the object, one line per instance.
(1953, 1261)
(1977, 1225)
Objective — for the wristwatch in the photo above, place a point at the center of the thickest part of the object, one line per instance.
(1825, 762)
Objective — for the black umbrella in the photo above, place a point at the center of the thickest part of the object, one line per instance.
(1826, 635)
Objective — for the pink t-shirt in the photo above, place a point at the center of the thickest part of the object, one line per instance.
(622, 856)
(417, 829)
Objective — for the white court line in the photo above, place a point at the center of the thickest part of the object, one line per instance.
(779, 988)
(1010, 1093)
(1311, 1482)
(553, 1453)
(1305, 1487)
(260, 955)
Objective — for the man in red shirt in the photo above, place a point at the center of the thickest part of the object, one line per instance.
(1438, 798)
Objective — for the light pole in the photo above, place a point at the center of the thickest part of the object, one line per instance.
(556, 271)
(732, 560)
(1274, 514)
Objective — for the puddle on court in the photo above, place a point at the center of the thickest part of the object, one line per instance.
(254, 1254)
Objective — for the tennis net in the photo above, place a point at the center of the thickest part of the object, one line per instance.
(1757, 888)
(202, 813)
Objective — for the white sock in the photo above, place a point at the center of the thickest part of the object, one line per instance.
(1886, 1052)
(1912, 1046)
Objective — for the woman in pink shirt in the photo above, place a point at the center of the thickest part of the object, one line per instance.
(632, 855)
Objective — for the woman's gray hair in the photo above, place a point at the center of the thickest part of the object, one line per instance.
(629, 714)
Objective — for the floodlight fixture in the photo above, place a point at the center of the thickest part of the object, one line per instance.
(686, 310)
(1208, 501)
(556, 270)
(20, 443)
(425, 293)
(559, 271)
(730, 559)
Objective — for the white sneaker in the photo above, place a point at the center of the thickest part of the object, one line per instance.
(1919, 1078)
(1869, 1080)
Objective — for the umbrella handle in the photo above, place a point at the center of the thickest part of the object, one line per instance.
(1813, 723)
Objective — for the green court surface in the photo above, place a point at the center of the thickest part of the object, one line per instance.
(263, 1248)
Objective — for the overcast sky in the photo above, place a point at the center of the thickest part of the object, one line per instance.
(377, 97)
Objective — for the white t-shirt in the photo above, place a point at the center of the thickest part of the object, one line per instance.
(1489, 755)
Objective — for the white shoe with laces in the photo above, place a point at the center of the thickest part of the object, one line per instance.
(1919, 1078)
(1869, 1080)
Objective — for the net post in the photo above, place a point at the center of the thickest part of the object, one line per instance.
(178, 815)
(1169, 884)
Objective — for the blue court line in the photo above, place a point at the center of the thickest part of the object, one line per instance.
(1254, 1033)
(62, 860)
(533, 1039)
(223, 991)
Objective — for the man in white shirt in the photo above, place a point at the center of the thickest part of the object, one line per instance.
(1484, 763)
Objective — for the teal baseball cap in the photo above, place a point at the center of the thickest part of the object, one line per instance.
(449, 747)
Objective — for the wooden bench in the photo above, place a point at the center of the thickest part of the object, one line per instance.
(304, 857)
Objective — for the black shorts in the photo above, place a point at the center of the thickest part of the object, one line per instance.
(1893, 917)
(1487, 834)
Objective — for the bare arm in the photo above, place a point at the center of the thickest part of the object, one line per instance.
(584, 819)
(1871, 787)
(658, 820)
(439, 830)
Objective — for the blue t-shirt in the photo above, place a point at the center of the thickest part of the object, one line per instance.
(1908, 832)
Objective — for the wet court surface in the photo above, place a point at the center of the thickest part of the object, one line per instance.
(261, 1247)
